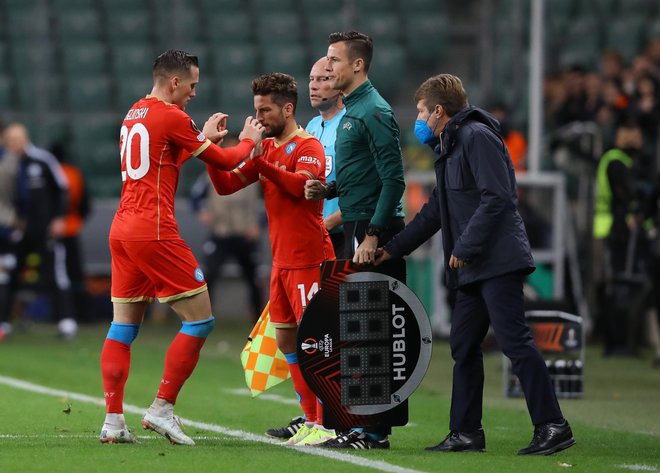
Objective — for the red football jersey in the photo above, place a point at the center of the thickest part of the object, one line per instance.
(156, 138)
(298, 237)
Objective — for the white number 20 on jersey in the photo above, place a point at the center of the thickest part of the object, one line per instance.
(126, 151)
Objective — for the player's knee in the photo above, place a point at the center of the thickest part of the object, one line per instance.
(199, 328)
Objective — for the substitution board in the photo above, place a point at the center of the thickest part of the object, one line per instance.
(364, 345)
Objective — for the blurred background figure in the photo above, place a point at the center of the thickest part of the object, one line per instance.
(233, 221)
(78, 210)
(513, 139)
(624, 179)
(41, 204)
(8, 172)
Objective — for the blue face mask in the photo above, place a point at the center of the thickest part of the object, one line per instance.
(423, 131)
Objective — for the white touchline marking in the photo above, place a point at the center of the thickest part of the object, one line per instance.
(355, 460)
(66, 436)
(636, 467)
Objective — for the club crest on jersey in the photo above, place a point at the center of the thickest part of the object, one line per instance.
(347, 126)
(290, 147)
(199, 275)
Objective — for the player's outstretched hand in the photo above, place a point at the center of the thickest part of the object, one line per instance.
(215, 128)
(314, 190)
(252, 130)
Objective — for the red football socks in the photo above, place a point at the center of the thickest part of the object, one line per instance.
(115, 365)
(307, 397)
(180, 361)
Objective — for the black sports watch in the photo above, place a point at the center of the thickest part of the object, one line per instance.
(373, 230)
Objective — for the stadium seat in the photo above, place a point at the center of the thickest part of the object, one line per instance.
(426, 37)
(222, 6)
(320, 27)
(221, 27)
(381, 26)
(96, 127)
(131, 59)
(34, 92)
(27, 22)
(104, 186)
(625, 34)
(90, 93)
(388, 69)
(425, 6)
(365, 8)
(73, 5)
(87, 57)
(653, 30)
(289, 58)
(273, 6)
(130, 89)
(234, 58)
(276, 28)
(235, 98)
(6, 93)
(121, 27)
(78, 25)
(128, 7)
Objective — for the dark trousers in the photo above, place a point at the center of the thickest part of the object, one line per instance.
(497, 301)
(219, 249)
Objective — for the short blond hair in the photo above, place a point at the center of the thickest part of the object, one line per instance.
(444, 89)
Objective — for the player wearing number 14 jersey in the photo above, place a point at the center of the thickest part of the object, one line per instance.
(149, 258)
(298, 237)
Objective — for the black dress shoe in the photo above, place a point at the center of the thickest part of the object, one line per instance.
(461, 442)
(549, 438)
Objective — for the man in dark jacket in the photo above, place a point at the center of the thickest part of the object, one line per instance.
(487, 255)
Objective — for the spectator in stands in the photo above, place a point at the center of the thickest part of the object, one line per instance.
(513, 139)
(78, 210)
(487, 255)
(593, 89)
(573, 105)
(611, 65)
(8, 231)
(647, 108)
(42, 199)
(369, 182)
(233, 222)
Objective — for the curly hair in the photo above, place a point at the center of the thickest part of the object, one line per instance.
(281, 87)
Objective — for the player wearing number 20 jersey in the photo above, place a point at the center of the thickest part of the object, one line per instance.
(156, 138)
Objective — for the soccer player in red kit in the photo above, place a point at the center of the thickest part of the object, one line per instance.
(298, 237)
(149, 258)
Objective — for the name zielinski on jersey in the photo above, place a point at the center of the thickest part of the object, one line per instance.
(136, 113)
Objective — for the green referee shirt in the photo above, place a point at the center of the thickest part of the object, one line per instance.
(368, 159)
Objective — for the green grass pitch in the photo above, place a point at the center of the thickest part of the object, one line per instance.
(617, 424)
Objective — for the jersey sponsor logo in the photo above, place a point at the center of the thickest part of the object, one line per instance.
(199, 275)
(309, 160)
(290, 147)
(136, 113)
(347, 126)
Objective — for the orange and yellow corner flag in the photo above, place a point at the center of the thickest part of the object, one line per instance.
(264, 365)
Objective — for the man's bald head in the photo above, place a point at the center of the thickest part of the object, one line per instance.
(321, 95)
(16, 138)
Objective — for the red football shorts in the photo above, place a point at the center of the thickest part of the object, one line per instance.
(142, 270)
(290, 291)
